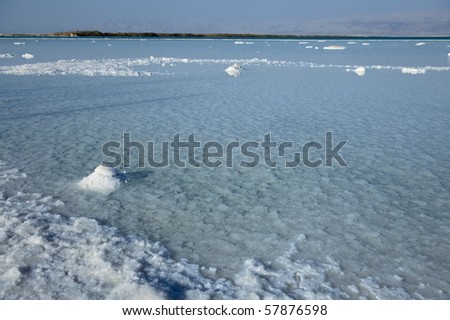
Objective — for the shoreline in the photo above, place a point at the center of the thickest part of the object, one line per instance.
(157, 35)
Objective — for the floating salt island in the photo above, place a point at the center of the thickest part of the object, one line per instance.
(27, 56)
(334, 48)
(234, 70)
(360, 71)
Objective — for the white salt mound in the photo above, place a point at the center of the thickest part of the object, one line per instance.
(360, 71)
(8, 56)
(103, 179)
(234, 70)
(27, 56)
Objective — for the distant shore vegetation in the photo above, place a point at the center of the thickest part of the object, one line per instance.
(95, 33)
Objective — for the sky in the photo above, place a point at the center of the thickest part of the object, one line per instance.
(408, 17)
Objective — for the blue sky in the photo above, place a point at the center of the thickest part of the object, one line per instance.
(256, 16)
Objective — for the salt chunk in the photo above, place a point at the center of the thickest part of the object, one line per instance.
(103, 180)
(27, 56)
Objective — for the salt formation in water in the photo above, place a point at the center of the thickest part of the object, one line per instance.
(27, 56)
(8, 56)
(414, 70)
(360, 71)
(334, 48)
(103, 179)
(234, 70)
(142, 67)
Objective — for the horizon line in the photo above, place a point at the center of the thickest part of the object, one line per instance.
(96, 33)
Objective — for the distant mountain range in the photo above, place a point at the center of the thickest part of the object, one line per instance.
(422, 23)
(431, 23)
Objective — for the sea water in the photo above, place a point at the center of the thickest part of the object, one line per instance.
(376, 228)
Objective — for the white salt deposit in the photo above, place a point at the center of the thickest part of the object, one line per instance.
(360, 71)
(234, 70)
(91, 68)
(6, 56)
(141, 67)
(333, 47)
(103, 179)
(19, 43)
(420, 44)
(414, 70)
(366, 44)
(47, 256)
(27, 56)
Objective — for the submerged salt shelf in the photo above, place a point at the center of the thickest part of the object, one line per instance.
(377, 229)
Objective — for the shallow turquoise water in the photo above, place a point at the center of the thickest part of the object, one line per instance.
(375, 229)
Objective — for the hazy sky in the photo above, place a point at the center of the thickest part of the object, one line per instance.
(261, 16)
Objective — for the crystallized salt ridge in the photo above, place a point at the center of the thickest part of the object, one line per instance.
(51, 257)
(290, 278)
(126, 67)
